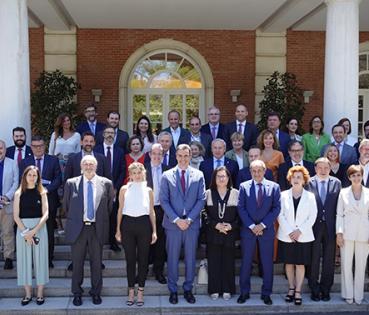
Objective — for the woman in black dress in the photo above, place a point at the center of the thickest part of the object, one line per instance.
(221, 232)
(338, 169)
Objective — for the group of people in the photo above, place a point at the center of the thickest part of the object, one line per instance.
(289, 198)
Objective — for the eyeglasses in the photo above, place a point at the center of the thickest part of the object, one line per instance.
(213, 114)
(222, 176)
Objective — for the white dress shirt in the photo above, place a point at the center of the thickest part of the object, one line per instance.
(175, 134)
(243, 125)
(156, 172)
(23, 149)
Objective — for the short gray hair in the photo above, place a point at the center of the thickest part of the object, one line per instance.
(165, 133)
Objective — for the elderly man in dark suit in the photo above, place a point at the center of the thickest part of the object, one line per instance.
(49, 168)
(179, 135)
(91, 124)
(214, 128)
(19, 150)
(88, 201)
(326, 190)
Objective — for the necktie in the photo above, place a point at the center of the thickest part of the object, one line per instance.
(240, 128)
(38, 164)
(183, 181)
(19, 157)
(165, 161)
(1, 177)
(219, 163)
(260, 194)
(213, 129)
(338, 146)
(92, 127)
(323, 192)
(90, 201)
(108, 155)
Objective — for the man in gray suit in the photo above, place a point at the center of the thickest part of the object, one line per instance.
(8, 186)
(88, 201)
(182, 197)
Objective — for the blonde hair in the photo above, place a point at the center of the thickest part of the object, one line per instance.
(298, 169)
(137, 166)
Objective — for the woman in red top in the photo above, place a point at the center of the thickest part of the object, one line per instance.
(135, 147)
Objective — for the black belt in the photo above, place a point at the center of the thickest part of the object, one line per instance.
(184, 217)
(88, 223)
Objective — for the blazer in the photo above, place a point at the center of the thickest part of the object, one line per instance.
(184, 137)
(149, 178)
(10, 182)
(245, 175)
(118, 172)
(311, 147)
(250, 133)
(172, 157)
(329, 206)
(84, 126)
(207, 168)
(283, 140)
(231, 154)
(353, 216)
(221, 131)
(11, 150)
(348, 155)
(175, 203)
(206, 140)
(283, 171)
(73, 166)
(267, 213)
(74, 207)
(121, 140)
(304, 220)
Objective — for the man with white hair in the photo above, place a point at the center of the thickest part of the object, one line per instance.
(364, 159)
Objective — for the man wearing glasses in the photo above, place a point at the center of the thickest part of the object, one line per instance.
(91, 123)
(214, 127)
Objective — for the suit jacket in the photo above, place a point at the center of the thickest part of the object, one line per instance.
(11, 150)
(250, 133)
(220, 134)
(353, 216)
(10, 182)
(206, 140)
(172, 158)
(121, 140)
(348, 155)
(207, 168)
(245, 175)
(73, 166)
(330, 204)
(118, 172)
(84, 126)
(267, 213)
(73, 205)
(174, 202)
(283, 140)
(283, 171)
(184, 137)
(304, 219)
(149, 178)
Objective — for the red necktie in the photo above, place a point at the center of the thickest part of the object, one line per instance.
(183, 181)
(260, 195)
(19, 158)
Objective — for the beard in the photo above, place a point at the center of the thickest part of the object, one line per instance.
(20, 143)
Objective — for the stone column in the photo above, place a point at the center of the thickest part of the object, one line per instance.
(341, 63)
(14, 69)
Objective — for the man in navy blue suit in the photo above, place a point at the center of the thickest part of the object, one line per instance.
(202, 137)
(51, 179)
(117, 163)
(240, 125)
(179, 135)
(19, 150)
(218, 149)
(214, 128)
(169, 153)
(273, 124)
(258, 207)
(91, 123)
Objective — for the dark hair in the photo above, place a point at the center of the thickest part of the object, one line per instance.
(113, 112)
(213, 183)
(293, 142)
(134, 137)
(270, 114)
(174, 111)
(289, 120)
(366, 124)
(37, 138)
(58, 126)
(342, 120)
(19, 129)
(254, 146)
(311, 124)
(87, 133)
(23, 184)
(91, 105)
(150, 135)
(337, 125)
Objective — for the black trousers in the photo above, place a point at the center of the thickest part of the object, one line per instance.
(324, 247)
(87, 241)
(113, 223)
(221, 269)
(136, 238)
(158, 254)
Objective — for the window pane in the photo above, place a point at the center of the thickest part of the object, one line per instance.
(138, 107)
(193, 79)
(186, 67)
(156, 113)
(173, 61)
(364, 81)
(363, 62)
(166, 80)
(158, 61)
(138, 81)
(192, 107)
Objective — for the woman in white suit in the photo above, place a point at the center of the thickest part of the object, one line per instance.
(352, 228)
(295, 234)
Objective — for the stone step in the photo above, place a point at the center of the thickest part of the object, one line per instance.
(158, 305)
(118, 286)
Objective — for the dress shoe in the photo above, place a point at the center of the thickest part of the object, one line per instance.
(96, 299)
(189, 297)
(161, 279)
(102, 266)
(214, 296)
(25, 301)
(326, 297)
(8, 264)
(51, 265)
(227, 296)
(315, 297)
(77, 301)
(173, 298)
(40, 300)
(266, 299)
(242, 298)
(70, 267)
(114, 247)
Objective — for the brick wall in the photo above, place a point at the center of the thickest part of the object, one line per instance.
(36, 53)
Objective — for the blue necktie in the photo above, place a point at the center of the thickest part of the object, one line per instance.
(219, 163)
(90, 201)
(1, 176)
(165, 161)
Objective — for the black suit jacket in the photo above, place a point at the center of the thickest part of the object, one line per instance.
(221, 131)
(207, 167)
(206, 140)
(149, 173)
(121, 141)
(184, 137)
(84, 126)
(244, 175)
(172, 162)
(250, 133)
(283, 170)
(11, 150)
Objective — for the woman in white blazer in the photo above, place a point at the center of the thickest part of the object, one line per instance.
(352, 228)
(295, 234)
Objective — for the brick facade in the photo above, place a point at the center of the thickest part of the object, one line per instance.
(36, 53)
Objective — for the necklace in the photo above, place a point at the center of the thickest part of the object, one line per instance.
(221, 210)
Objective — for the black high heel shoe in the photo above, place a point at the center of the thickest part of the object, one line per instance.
(298, 301)
(130, 301)
(290, 297)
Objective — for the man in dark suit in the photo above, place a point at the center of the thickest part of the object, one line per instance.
(182, 197)
(348, 154)
(117, 163)
(202, 137)
(49, 168)
(258, 207)
(169, 153)
(154, 172)
(88, 201)
(91, 124)
(120, 136)
(240, 125)
(244, 174)
(19, 150)
(366, 136)
(273, 123)
(296, 153)
(218, 148)
(214, 128)
(179, 135)
(326, 190)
